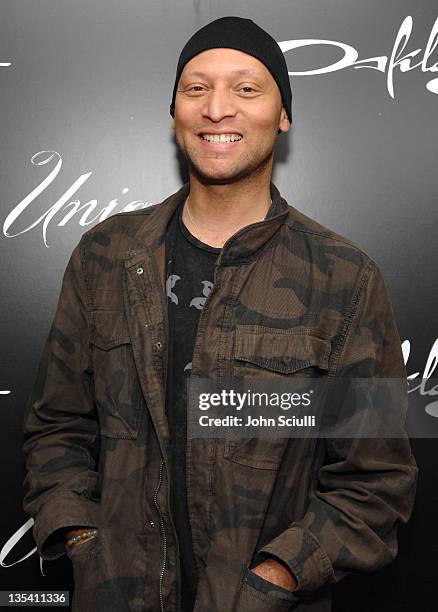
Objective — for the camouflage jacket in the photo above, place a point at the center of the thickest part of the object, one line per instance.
(289, 298)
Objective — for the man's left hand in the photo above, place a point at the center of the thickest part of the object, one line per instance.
(275, 572)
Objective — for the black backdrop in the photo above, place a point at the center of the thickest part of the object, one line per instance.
(84, 97)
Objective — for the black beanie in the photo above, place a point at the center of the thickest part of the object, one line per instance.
(243, 35)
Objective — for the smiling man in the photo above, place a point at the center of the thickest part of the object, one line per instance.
(221, 280)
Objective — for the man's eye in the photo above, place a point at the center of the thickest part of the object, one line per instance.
(248, 87)
(195, 88)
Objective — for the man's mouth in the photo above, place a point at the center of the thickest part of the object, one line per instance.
(231, 137)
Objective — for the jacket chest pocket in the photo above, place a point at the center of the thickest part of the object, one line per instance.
(268, 360)
(269, 353)
(117, 389)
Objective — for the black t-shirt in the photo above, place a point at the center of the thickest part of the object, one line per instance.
(189, 279)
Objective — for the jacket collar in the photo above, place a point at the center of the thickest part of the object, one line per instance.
(241, 245)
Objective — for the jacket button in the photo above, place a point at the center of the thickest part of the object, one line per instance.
(139, 270)
(151, 523)
(159, 345)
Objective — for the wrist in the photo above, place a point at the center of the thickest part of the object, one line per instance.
(78, 536)
(278, 573)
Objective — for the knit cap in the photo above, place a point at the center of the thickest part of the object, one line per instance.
(244, 35)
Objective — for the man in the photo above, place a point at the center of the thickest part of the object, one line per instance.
(168, 522)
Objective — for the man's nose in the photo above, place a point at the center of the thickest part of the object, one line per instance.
(219, 103)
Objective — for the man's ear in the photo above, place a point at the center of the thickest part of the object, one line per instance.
(284, 123)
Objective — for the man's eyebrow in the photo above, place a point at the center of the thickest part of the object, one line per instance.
(241, 72)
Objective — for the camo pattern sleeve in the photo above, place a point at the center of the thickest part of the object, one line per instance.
(61, 429)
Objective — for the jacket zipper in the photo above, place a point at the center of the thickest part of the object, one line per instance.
(163, 531)
(166, 318)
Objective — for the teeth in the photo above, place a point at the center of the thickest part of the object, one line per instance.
(221, 137)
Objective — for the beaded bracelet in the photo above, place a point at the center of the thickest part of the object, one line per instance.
(85, 535)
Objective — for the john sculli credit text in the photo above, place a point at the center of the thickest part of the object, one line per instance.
(257, 421)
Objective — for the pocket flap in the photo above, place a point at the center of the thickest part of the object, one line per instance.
(117, 391)
(285, 351)
(108, 329)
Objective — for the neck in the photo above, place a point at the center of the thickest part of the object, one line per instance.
(216, 212)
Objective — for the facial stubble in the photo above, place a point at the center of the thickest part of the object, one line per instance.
(250, 165)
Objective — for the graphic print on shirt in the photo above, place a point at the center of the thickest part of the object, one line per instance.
(170, 284)
(198, 302)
